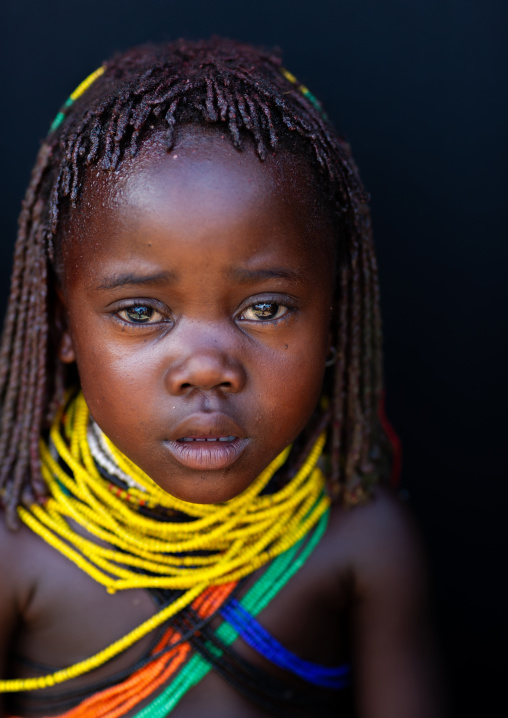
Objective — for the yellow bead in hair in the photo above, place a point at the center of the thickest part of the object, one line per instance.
(83, 86)
(80, 90)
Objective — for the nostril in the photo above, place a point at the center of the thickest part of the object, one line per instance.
(204, 386)
(205, 371)
(223, 384)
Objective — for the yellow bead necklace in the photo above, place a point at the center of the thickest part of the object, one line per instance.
(215, 544)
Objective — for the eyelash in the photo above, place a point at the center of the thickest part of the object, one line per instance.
(267, 302)
(140, 305)
(286, 307)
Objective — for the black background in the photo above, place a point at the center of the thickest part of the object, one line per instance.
(419, 88)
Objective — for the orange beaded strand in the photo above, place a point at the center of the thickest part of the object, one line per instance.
(114, 702)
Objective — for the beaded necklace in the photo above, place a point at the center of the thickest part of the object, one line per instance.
(210, 544)
(120, 698)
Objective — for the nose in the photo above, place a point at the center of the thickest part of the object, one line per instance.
(205, 369)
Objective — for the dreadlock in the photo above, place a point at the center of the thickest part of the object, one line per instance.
(156, 89)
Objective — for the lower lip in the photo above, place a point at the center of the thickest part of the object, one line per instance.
(207, 455)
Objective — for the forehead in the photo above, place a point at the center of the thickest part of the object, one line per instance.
(204, 192)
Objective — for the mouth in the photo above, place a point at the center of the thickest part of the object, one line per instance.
(209, 453)
(207, 443)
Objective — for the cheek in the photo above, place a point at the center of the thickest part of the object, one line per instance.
(291, 385)
(308, 351)
(304, 376)
(105, 372)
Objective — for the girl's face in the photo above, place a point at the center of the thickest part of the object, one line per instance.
(198, 288)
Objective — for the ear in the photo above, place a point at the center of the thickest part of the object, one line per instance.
(66, 352)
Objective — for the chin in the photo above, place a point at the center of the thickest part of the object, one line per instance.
(202, 490)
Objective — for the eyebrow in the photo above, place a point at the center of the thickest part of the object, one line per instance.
(128, 278)
(251, 275)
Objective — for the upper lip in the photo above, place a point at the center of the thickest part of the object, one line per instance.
(201, 424)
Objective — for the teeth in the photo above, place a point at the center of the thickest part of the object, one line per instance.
(219, 438)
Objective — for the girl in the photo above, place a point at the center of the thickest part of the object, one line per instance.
(191, 441)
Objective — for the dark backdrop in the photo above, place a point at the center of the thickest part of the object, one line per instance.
(419, 88)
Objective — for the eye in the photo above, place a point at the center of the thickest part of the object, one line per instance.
(264, 311)
(140, 314)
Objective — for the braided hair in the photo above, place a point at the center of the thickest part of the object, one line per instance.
(157, 89)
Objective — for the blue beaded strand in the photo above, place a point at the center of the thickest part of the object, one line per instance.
(258, 638)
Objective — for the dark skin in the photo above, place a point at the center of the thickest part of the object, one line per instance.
(198, 292)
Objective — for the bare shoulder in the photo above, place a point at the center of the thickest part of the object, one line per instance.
(395, 660)
(379, 542)
(14, 587)
(26, 561)
(23, 564)
(16, 555)
(11, 543)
